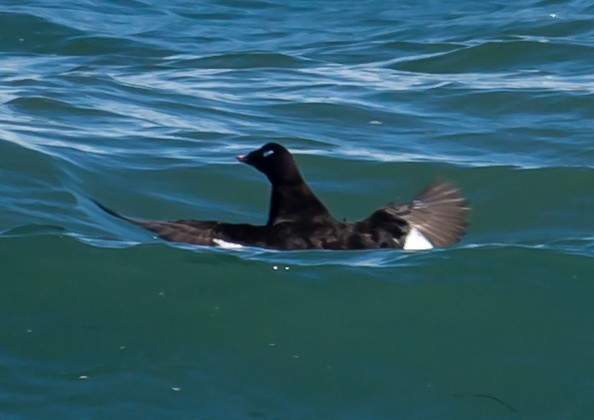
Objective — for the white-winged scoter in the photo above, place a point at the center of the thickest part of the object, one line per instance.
(297, 219)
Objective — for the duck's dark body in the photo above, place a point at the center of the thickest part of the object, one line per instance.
(298, 220)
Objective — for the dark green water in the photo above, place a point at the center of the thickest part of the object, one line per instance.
(144, 106)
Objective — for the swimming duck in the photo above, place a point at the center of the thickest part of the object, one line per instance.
(297, 218)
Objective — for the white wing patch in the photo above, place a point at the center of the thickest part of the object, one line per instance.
(416, 241)
(268, 153)
(227, 245)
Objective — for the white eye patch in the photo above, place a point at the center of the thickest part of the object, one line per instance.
(267, 153)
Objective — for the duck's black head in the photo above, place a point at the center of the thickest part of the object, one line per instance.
(274, 161)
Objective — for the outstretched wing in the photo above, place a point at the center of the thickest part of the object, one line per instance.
(194, 232)
(438, 213)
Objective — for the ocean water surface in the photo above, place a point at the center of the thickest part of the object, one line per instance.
(143, 105)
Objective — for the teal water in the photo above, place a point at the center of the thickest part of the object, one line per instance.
(144, 105)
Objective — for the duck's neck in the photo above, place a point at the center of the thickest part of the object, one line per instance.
(293, 202)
